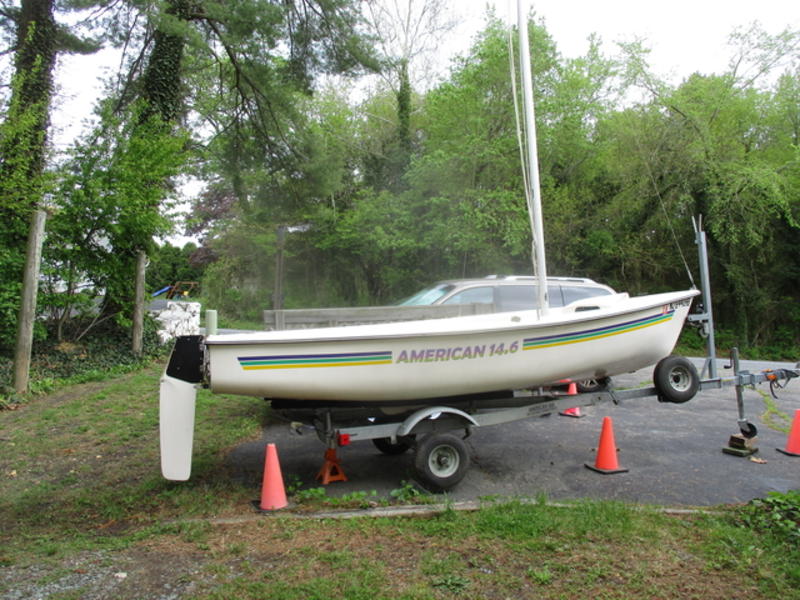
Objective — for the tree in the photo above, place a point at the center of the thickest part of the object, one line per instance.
(407, 33)
(170, 264)
(716, 146)
(263, 57)
(107, 206)
(22, 163)
(23, 145)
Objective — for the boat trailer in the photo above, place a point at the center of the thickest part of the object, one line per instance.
(441, 457)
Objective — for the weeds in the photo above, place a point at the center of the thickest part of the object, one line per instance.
(777, 514)
(408, 493)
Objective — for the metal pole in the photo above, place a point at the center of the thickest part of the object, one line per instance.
(707, 317)
(742, 421)
(533, 158)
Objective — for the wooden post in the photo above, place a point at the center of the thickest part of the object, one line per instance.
(138, 304)
(277, 294)
(27, 309)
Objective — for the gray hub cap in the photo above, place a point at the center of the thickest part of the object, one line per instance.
(443, 461)
(681, 379)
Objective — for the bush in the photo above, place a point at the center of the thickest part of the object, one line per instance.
(106, 350)
(777, 514)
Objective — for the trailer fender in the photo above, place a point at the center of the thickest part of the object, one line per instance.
(425, 413)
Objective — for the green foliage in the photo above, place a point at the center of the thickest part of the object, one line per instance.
(405, 187)
(318, 496)
(408, 493)
(110, 203)
(170, 264)
(23, 134)
(777, 514)
(235, 284)
(619, 185)
(106, 351)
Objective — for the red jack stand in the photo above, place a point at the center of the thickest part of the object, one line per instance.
(331, 470)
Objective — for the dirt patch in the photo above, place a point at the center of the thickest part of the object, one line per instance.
(133, 574)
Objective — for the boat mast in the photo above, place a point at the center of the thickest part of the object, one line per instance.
(535, 209)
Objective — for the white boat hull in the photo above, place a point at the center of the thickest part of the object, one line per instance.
(391, 362)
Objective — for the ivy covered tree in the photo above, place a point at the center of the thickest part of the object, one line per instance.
(23, 144)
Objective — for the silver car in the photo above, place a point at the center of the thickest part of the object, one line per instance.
(508, 292)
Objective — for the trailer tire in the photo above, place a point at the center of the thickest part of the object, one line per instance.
(589, 386)
(676, 380)
(386, 446)
(748, 430)
(441, 461)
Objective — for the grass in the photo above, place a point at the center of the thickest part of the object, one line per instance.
(81, 495)
(691, 344)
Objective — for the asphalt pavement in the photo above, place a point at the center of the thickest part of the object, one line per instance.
(673, 452)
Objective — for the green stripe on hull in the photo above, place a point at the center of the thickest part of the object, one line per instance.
(595, 334)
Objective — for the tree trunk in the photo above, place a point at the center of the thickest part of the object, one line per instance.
(138, 304)
(32, 86)
(27, 311)
(162, 78)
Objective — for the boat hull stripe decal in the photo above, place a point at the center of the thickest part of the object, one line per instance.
(549, 341)
(309, 366)
(300, 361)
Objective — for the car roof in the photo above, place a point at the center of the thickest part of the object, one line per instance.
(518, 278)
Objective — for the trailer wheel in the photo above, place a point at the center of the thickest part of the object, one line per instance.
(441, 461)
(676, 379)
(386, 446)
(748, 430)
(589, 386)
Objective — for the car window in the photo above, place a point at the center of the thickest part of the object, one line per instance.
(554, 295)
(516, 297)
(574, 293)
(428, 295)
(524, 297)
(482, 294)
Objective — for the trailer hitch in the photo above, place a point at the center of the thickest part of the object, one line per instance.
(778, 379)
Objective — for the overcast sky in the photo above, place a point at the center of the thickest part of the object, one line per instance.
(685, 35)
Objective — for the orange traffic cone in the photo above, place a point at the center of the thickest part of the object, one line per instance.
(331, 470)
(572, 390)
(793, 443)
(606, 461)
(273, 496)
(574, 412)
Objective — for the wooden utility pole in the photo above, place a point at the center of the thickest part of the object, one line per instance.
(27, 309)
(138, 304)
(277, 294)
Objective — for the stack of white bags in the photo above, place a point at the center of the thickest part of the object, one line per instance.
(178, 318)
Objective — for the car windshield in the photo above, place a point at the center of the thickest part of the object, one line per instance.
(427, 296)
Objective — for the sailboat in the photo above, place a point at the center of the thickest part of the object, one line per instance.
(412, 363)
